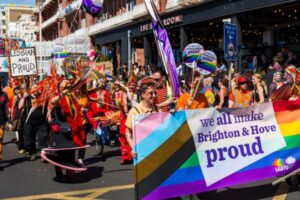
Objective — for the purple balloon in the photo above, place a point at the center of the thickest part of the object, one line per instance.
(92, 7)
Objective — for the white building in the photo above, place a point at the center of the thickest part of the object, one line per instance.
(12, 13)
(3, 26)
(25, 27)
(12, 29)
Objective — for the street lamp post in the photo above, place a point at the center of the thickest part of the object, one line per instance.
(40, 37)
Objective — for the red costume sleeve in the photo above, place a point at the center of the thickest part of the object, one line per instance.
(74, 118)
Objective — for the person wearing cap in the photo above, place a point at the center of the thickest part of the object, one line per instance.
(241, 96)
(131, 90)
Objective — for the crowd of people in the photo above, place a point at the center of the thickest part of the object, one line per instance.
(102, 103)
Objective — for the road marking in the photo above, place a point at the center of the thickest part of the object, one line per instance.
(281, 192)
(71, 195)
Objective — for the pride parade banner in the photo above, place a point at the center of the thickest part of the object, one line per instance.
(195, 151)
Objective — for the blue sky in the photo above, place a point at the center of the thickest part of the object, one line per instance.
(19, 2)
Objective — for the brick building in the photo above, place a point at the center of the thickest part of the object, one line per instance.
(123, 26)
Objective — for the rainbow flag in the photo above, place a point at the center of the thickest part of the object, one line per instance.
(62, 54)
(195, 151)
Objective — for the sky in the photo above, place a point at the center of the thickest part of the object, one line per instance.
(19, 2)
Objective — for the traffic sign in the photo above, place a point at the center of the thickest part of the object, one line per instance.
(230, 42)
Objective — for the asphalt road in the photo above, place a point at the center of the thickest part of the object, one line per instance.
(104, 179)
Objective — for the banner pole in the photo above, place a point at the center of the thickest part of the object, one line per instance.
(229, 76)
(285, 177)
(197, 87)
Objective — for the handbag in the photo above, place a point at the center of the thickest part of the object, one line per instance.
(16, 125)
(102, 134)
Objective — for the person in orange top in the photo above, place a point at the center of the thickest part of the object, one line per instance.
(241, 96)
(186, 102)
(10, 93)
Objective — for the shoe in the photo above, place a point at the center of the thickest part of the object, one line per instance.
(80, 162)
(32, 157)
(21, 151)
(59, 174)
(70, 176)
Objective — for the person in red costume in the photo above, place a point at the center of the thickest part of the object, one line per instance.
(120, 101)
(70, 109)
(99, 101)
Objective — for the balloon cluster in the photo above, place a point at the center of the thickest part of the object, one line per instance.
(92, 54)
(93, 7)
(196, 57)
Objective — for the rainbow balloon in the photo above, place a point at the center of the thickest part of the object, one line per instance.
(191, 53)
(207, 63)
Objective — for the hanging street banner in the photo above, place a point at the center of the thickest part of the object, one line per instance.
(23, 62)
(194, 151)
(230, 42)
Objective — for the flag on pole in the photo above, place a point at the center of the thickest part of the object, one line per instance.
(164, 47)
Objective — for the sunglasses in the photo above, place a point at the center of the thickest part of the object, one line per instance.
(156, 79)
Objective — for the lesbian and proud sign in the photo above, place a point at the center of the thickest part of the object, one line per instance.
(200, 150)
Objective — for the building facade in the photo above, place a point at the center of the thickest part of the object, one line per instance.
(263, 27)
(63, 22)
(123, 27)
(10, 13)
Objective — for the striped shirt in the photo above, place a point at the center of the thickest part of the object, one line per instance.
(161, 96)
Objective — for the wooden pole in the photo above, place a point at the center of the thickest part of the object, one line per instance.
(285, 177)
(229, 76)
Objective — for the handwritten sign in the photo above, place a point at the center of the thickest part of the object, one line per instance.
(23, 62)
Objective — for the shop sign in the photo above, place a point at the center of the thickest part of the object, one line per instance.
(166, 22)
(230, 42)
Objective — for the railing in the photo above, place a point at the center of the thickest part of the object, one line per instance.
(111, 23)
(51, 20)
(77, 42)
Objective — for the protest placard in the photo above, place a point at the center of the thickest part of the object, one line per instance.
(23, 62)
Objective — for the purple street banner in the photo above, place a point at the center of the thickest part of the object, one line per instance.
(164, 47)
(194, 151)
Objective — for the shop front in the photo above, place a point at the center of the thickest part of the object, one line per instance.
(260, 29)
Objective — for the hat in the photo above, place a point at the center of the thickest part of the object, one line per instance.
(242, 79)
(293, 74)
(132, 79)
(146, 80)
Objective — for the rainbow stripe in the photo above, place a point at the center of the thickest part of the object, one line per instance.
(61, 54)
(208, 66)
(169, 165)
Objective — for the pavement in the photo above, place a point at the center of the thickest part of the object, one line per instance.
(105, 179)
